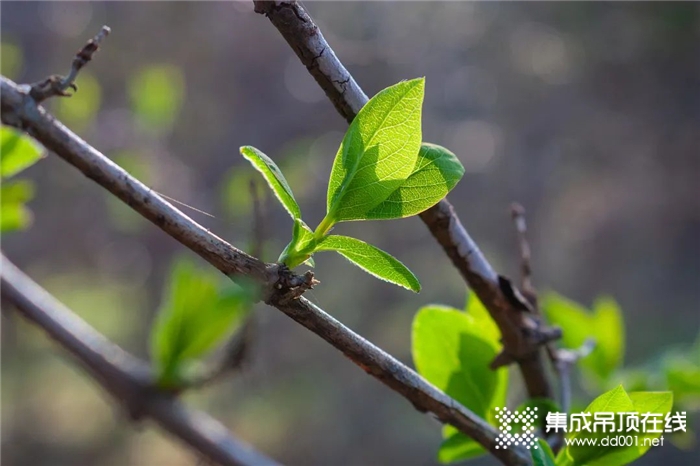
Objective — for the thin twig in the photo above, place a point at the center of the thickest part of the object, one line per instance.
(126, 378)
(56, 85)
(526, 286)
(522, 338)
(20, 110)
(564, 361)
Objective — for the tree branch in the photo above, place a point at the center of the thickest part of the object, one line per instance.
(56, 85)
(126, 378)
(522, 336)
(20, 110)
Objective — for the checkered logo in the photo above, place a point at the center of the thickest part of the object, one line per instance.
(517, 428)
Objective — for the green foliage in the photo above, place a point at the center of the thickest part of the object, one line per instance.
(436, 172)
(371, 259)
(604, 324)
(453, 349)
(378, 152)
(17, 152)
(381, 171)
(616, 400)
(156, 93)
(196, 315)
(272, 174)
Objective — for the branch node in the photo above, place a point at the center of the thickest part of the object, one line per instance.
(56, 85)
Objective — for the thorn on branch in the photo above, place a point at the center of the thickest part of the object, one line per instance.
(57, 86)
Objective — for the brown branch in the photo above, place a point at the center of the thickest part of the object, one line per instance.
(522, 338)
(56, 85)
(20, 110)
(126, 378)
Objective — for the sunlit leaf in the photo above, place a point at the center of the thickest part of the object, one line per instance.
(436, 172)
(371, 259)
(274, 177)
(453, 352)
(378, 153)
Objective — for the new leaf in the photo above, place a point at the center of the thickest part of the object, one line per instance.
(195, 316)
(378, 153)
(371, 259)
(272, 174)
(437, 171)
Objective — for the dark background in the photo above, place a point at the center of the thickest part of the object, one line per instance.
(586, 113)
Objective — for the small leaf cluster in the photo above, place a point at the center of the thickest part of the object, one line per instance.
(603, 323)
(453, 348)
(381, 171)
(17, 153)
(197, 313)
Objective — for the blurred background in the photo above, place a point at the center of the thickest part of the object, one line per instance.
(586, 113)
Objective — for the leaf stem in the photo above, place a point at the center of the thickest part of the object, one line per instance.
(324, 227)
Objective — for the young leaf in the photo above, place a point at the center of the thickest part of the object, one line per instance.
(301, 247)
(17, 152)
(371, 259)
(452, 351)
(378, 152)
(195, 317)
(272, 174)
(436, 172)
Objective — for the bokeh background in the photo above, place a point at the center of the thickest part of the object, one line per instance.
(586, 113)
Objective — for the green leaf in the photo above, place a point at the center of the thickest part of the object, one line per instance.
(196, 315)
(542, 454)
(436, 172)
(17, 152)
(617, 401)
(378, 153)
(14, 215)
(371, 259)
(272, 174)
(482, 319)
(605, 325)
(156, 93)
(301, 247)
(459, 447)
(452, 351)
